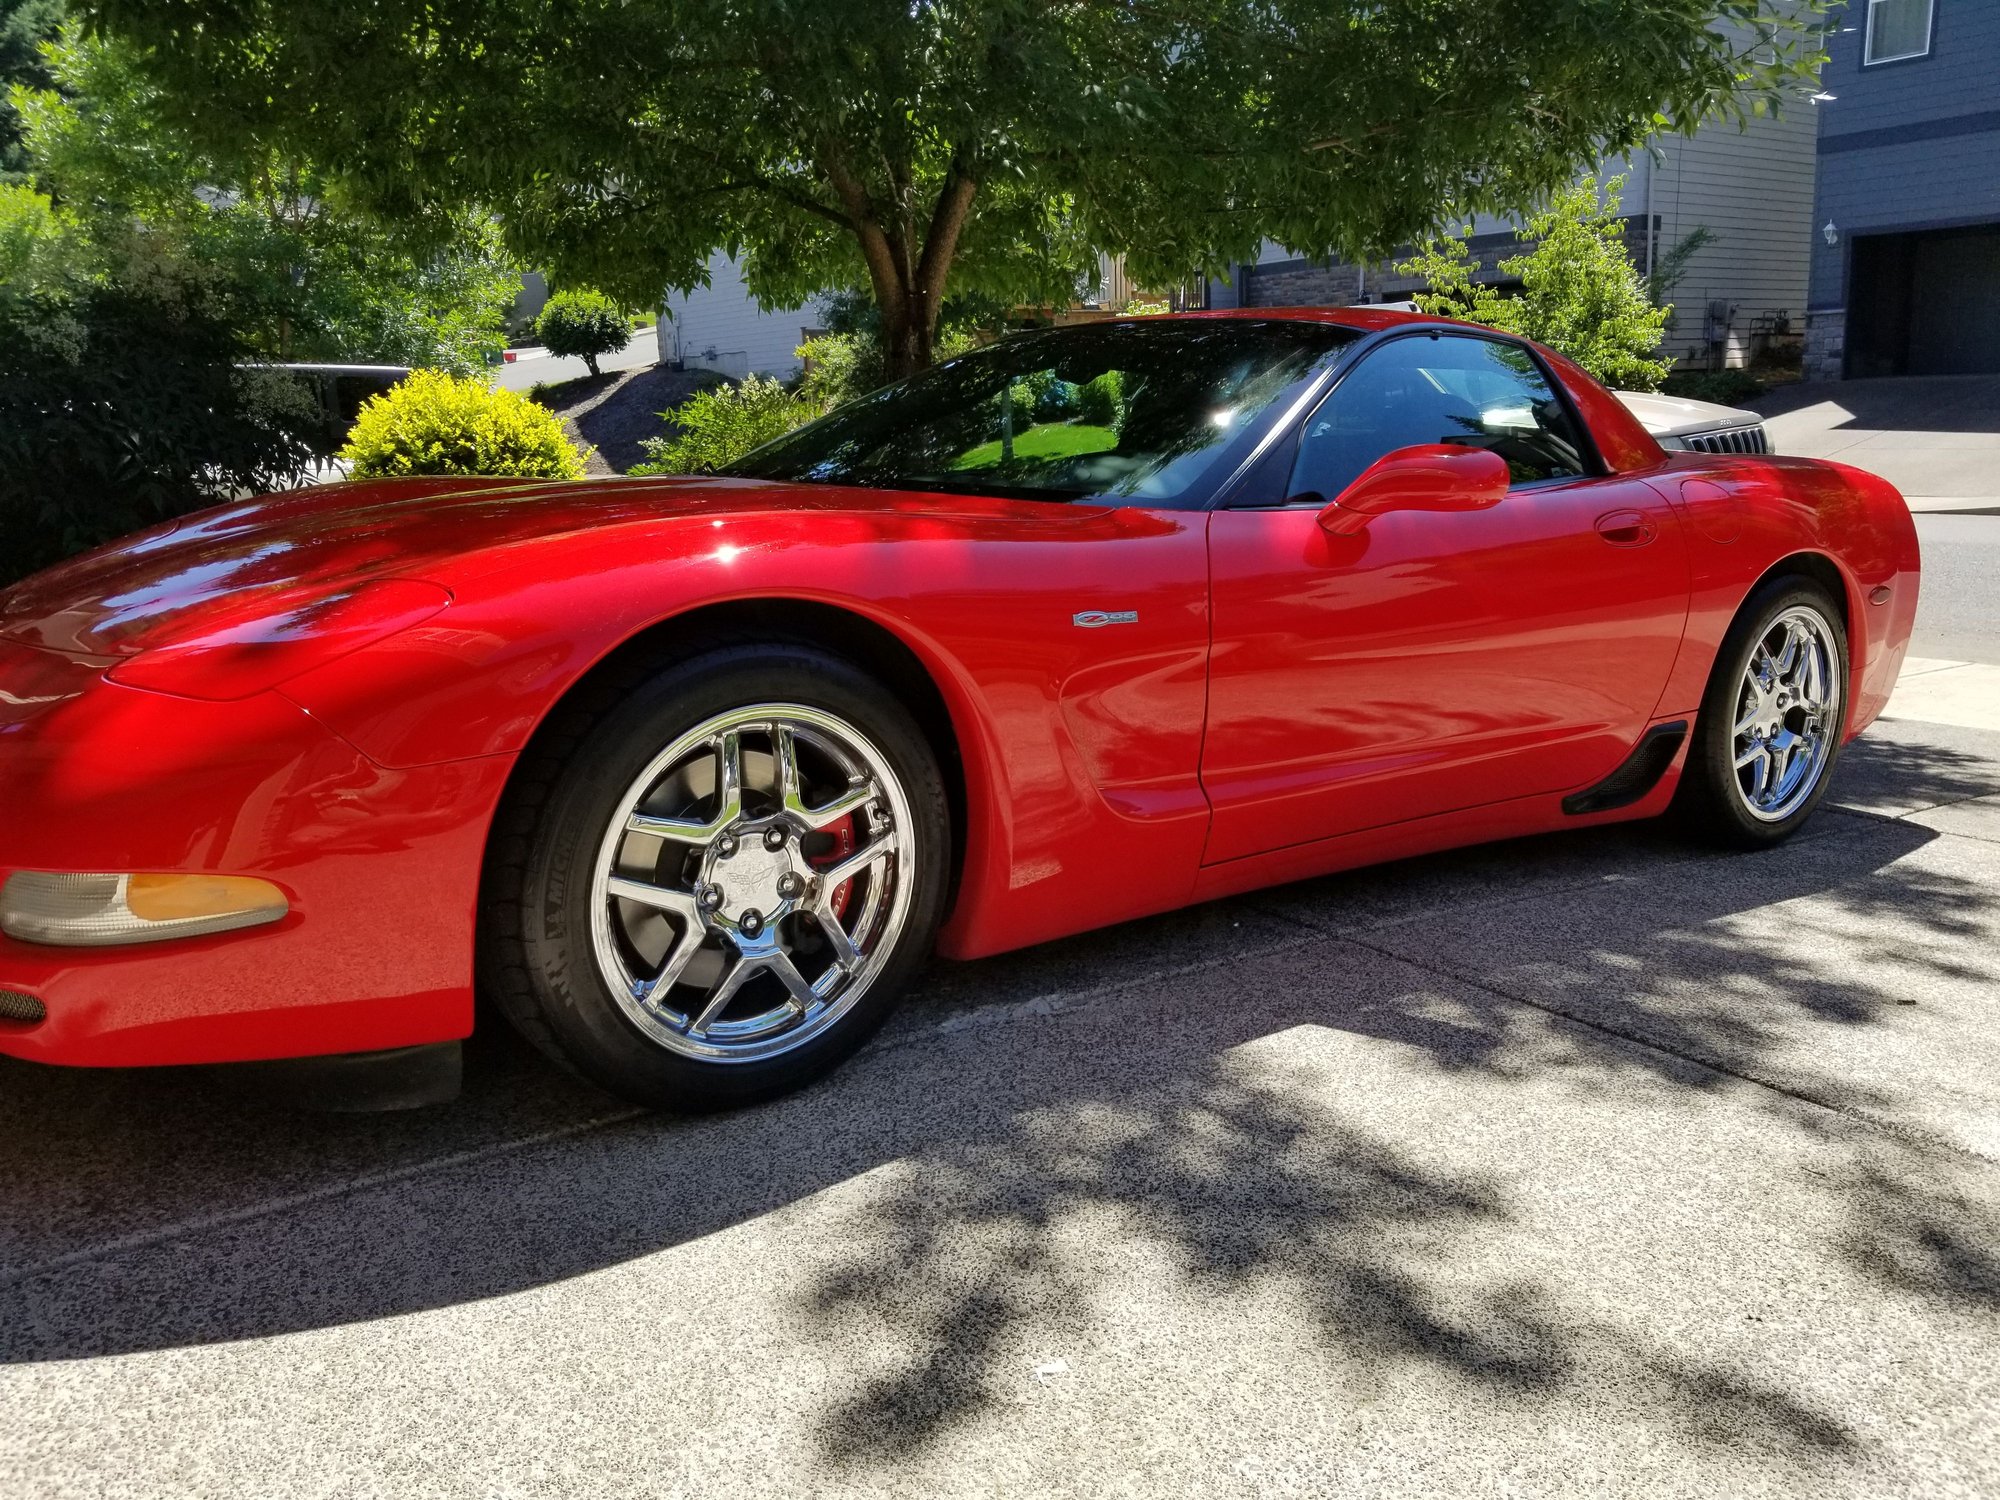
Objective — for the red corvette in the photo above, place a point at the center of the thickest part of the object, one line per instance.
(690, 775)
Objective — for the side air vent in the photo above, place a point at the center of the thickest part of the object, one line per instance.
(21, 1010)
(1637, 775)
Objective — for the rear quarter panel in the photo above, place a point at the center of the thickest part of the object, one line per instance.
(1746, 515)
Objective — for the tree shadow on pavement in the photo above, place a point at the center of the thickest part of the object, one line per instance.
(993, 1190)
(1244, 1187)
(1900, 767)
(616, 412)
(1920, 1226)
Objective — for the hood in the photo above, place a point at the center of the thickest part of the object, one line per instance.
(1677, 416)
(263, 556)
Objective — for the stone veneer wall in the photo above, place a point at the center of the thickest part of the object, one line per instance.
(1826, 343)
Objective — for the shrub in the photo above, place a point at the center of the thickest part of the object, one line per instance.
(718, 427)
(1023, 398)
(123, 406)
(1056, 399)
(435, 423)
(583, 324)
(715, 428)
(1101, 402)
(839, 367)
(1725, 387)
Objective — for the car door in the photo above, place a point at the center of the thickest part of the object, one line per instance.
(1429, 661)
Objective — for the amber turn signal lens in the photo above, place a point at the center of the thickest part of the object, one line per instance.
(180, 898)
(101, 911)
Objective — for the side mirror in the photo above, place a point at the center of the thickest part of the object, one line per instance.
(1430, 476)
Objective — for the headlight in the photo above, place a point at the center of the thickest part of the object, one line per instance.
(239, 656)
(100, 911)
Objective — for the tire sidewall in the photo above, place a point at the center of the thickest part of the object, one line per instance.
(576, 1000)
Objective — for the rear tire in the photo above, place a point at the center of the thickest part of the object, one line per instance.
(1772, 720)
(708, 887)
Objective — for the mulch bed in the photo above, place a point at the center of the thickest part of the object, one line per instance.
(612, 413)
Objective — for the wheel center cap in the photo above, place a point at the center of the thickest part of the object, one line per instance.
(748, 879)
(1771, 707)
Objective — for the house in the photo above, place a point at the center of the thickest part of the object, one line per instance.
(722, 327)
(1751, 188)
(1906, 248)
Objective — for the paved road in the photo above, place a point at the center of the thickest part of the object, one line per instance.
(1958, 610)
(1587, 1164)
(1938, 440)
(546, 369)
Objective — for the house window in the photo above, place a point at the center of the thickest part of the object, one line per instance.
(1898, 29)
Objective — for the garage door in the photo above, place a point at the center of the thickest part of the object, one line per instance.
(1955, 303)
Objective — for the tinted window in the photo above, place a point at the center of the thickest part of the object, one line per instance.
(1469, 392)
(1140, 410)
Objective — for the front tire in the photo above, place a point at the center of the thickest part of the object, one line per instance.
(710, 890)
(1772, 720)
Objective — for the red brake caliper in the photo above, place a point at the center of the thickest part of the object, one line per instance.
(843, 845)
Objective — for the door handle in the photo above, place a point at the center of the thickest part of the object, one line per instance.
(1625, 528)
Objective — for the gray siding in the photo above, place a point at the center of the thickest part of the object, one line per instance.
(1907, 145)
(1753, 188)
(1923, 184)
(1956, 78)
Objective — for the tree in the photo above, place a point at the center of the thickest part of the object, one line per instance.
(917, 145)
(1670, 268)
(301, 274)
(41, 247)
(24, 26)
(1580, 293)
(124, 402)
(583, 325)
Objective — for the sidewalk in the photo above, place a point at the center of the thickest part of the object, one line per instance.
(1947, 692)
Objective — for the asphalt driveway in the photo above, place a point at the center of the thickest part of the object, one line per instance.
(1585, 1164)
(1935, 437)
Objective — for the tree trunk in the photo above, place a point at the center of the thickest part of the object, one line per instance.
(908, 282)
(909, 331)
(590, 364)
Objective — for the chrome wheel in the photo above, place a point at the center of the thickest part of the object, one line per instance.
(752, 883)
(1787, 717)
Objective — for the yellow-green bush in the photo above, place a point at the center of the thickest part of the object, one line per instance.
(715, 428)
(434, 423)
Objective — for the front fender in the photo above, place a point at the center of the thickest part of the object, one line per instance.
(1081, 746)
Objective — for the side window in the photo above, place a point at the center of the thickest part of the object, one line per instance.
(1469, 392)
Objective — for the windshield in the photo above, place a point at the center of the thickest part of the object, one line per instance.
(1139, 410)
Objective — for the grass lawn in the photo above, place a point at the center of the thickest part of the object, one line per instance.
(1046, 440)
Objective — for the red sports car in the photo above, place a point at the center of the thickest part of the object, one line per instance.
(689, 776)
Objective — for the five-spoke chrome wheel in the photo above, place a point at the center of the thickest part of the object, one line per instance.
(1787, 717)
(752, 882)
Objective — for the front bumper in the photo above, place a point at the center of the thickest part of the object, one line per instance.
(381, 869)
